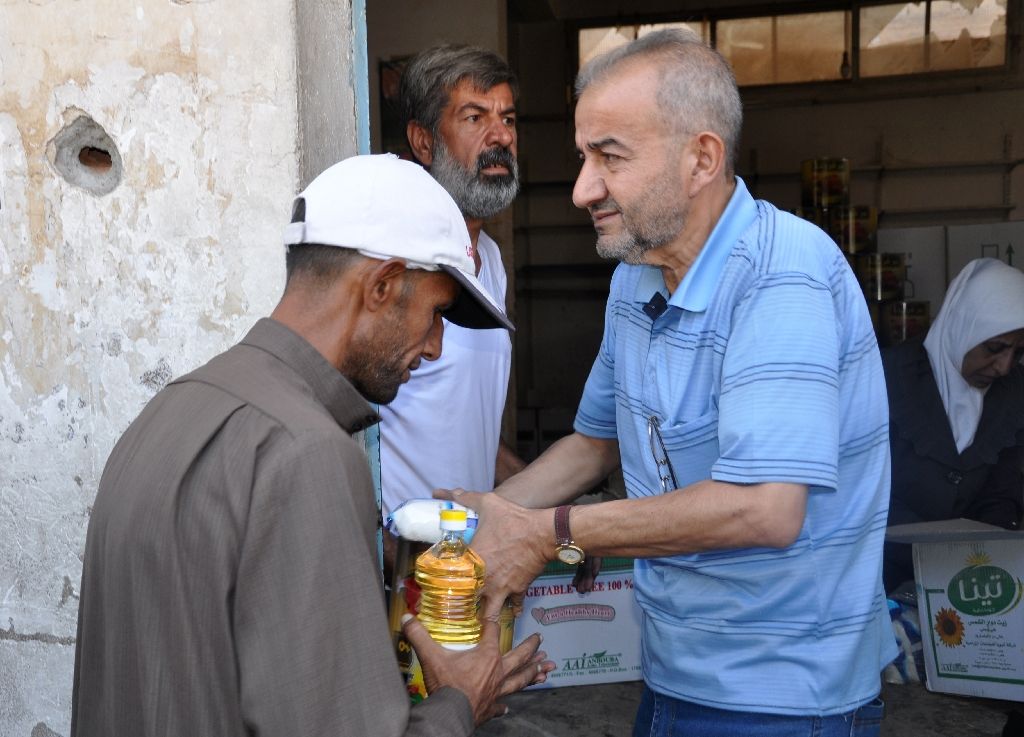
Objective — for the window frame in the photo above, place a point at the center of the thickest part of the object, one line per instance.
(856, 88)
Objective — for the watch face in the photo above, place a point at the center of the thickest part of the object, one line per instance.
(570, 555)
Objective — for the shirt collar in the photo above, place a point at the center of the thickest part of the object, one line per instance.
(695, 290)
(330, 387)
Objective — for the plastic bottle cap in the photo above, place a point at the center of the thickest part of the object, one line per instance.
(453, 519)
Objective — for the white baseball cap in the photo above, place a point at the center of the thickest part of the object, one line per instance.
(384, 208)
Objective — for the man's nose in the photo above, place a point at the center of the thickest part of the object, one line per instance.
(499, 133)
(432, 347)
(589, 188)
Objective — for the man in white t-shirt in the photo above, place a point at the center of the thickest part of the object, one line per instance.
(444, 429)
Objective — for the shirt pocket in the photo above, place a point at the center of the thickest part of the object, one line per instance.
(692, 447)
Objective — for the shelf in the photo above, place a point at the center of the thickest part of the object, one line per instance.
(579, 281)
(585, 228)
(578, 270)
(880, 169)
(549, 184)
(874, 169)
(947, 211)
(1007, 164)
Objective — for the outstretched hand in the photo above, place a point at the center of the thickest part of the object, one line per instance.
(515, 543)
(483, 674)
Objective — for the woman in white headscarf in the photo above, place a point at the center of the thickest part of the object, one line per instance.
(956, 410)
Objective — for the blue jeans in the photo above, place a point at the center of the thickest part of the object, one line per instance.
(664, 716)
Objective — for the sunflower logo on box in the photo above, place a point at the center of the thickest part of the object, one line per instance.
(949, 627)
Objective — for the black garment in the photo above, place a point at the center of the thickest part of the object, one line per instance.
(930, 480)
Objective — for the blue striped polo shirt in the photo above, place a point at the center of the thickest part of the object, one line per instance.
(763, 367)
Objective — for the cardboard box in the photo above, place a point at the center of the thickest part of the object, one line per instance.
(591, 638)
(969, 579)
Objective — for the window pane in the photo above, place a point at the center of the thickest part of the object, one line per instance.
(698, 27)
(747, 44)
(967, 34)
(892, 39)
(964, 34)
(804, 47)
(595, 41)
(810, 46)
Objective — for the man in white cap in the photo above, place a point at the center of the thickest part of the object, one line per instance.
(230, 582)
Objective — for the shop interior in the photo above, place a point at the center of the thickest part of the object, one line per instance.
(897, 127)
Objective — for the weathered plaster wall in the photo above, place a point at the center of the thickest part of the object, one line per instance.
(104, 298)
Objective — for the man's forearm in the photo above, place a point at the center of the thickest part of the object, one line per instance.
(708, 515)
(570, 467)
(516, 542)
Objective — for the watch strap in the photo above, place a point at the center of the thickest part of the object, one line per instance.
(562, 534)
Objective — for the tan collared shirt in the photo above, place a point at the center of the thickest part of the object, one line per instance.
(230, 582)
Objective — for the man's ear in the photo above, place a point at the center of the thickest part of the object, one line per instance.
(705, 162)
(421, 142)
(382, 284)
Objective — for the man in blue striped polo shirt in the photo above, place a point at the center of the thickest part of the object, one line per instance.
(739, 385)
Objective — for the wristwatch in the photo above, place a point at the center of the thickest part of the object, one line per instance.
(566, 551)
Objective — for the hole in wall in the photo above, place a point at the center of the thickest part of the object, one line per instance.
(95, 158)
(86, 156)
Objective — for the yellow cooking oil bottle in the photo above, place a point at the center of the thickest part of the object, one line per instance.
(450, 576)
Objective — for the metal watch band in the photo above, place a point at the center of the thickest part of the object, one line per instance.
(562, 534)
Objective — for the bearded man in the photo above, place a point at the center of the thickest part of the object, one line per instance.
(444, 430)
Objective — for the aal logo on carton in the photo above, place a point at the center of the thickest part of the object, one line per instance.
(603, 659)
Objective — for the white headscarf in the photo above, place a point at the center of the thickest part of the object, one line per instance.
(986, 299)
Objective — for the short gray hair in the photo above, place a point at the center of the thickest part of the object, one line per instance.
(697, 90)
(430, 76)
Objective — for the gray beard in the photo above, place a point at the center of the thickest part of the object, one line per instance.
(627, 248)
(655, 221)
(655, 229)
(477, 196)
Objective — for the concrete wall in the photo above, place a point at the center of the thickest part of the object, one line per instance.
(330, 59)
(106, 297)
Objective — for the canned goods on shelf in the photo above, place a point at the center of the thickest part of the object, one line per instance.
(882, 275)
(825, 182)
(904, 319)
(816, 215)
(854, 228)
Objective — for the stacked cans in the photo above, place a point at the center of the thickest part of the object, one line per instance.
(825, 201)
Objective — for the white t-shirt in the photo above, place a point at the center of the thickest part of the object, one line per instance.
(442, 430)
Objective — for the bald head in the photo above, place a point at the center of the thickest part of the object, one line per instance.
(696, 87)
